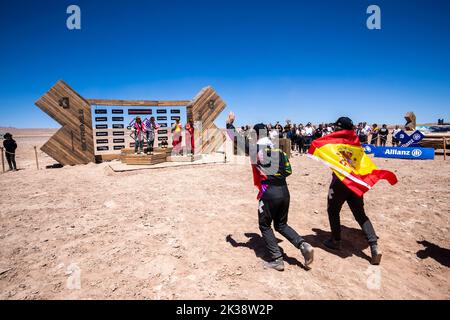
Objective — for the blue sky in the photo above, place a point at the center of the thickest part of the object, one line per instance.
(269, 60)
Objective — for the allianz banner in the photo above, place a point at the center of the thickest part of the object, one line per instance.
(368, 148)
(404, 153)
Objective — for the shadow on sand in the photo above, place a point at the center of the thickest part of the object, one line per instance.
(256, 243)
(441, 255)
(353, 242)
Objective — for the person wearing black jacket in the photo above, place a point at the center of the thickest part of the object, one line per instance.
(338, 194)
(10, 146)
(318, 133)
(270, 168)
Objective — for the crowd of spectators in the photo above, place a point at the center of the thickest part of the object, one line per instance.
(302, 135)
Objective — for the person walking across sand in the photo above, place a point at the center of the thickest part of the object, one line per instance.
(270, 168)
(338, 194)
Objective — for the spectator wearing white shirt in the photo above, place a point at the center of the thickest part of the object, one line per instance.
(395, 142)
(308, 135)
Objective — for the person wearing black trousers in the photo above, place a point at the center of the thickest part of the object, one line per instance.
(383, 133)
(338, 194)
(270, 168)
(10, 146)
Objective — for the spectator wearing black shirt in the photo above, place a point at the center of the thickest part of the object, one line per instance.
(360, 133)
(292, 135)
(383, 132)
(10, 146)
(318, 133)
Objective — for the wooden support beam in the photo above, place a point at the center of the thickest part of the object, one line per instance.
(3, 160)
(36, 155)
(445, 148)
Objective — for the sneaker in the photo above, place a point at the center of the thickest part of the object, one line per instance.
(376, 255)
(308, 253)
(135, 153)
(332, 244)
(276, 264)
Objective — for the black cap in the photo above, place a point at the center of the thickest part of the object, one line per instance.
(7, 135)
(344, 123)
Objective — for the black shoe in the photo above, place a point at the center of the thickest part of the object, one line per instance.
(276, 264)
(376, 254)
(332, 244)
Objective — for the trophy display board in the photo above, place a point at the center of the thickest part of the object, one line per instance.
(113, 126)
(98, 129)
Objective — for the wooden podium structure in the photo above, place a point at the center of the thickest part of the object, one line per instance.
(77, 142)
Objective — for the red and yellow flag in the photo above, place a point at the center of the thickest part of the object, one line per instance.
(343, 153)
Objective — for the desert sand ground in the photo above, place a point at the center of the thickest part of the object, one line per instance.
(192, 233)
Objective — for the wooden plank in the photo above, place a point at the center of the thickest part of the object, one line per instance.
(189, 114)
(73, 143)
(285, 146)
(142, 103)
(203, 113)
(131, 158)
(107, 157)
(444, 142)
(213, 139)
(435, 143)
(132, 162)
(144, 159)
(130, 151)
(3, 159)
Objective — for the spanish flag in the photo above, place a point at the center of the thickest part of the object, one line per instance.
(343, 153)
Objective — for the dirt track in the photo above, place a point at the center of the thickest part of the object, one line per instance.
(188, 233)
